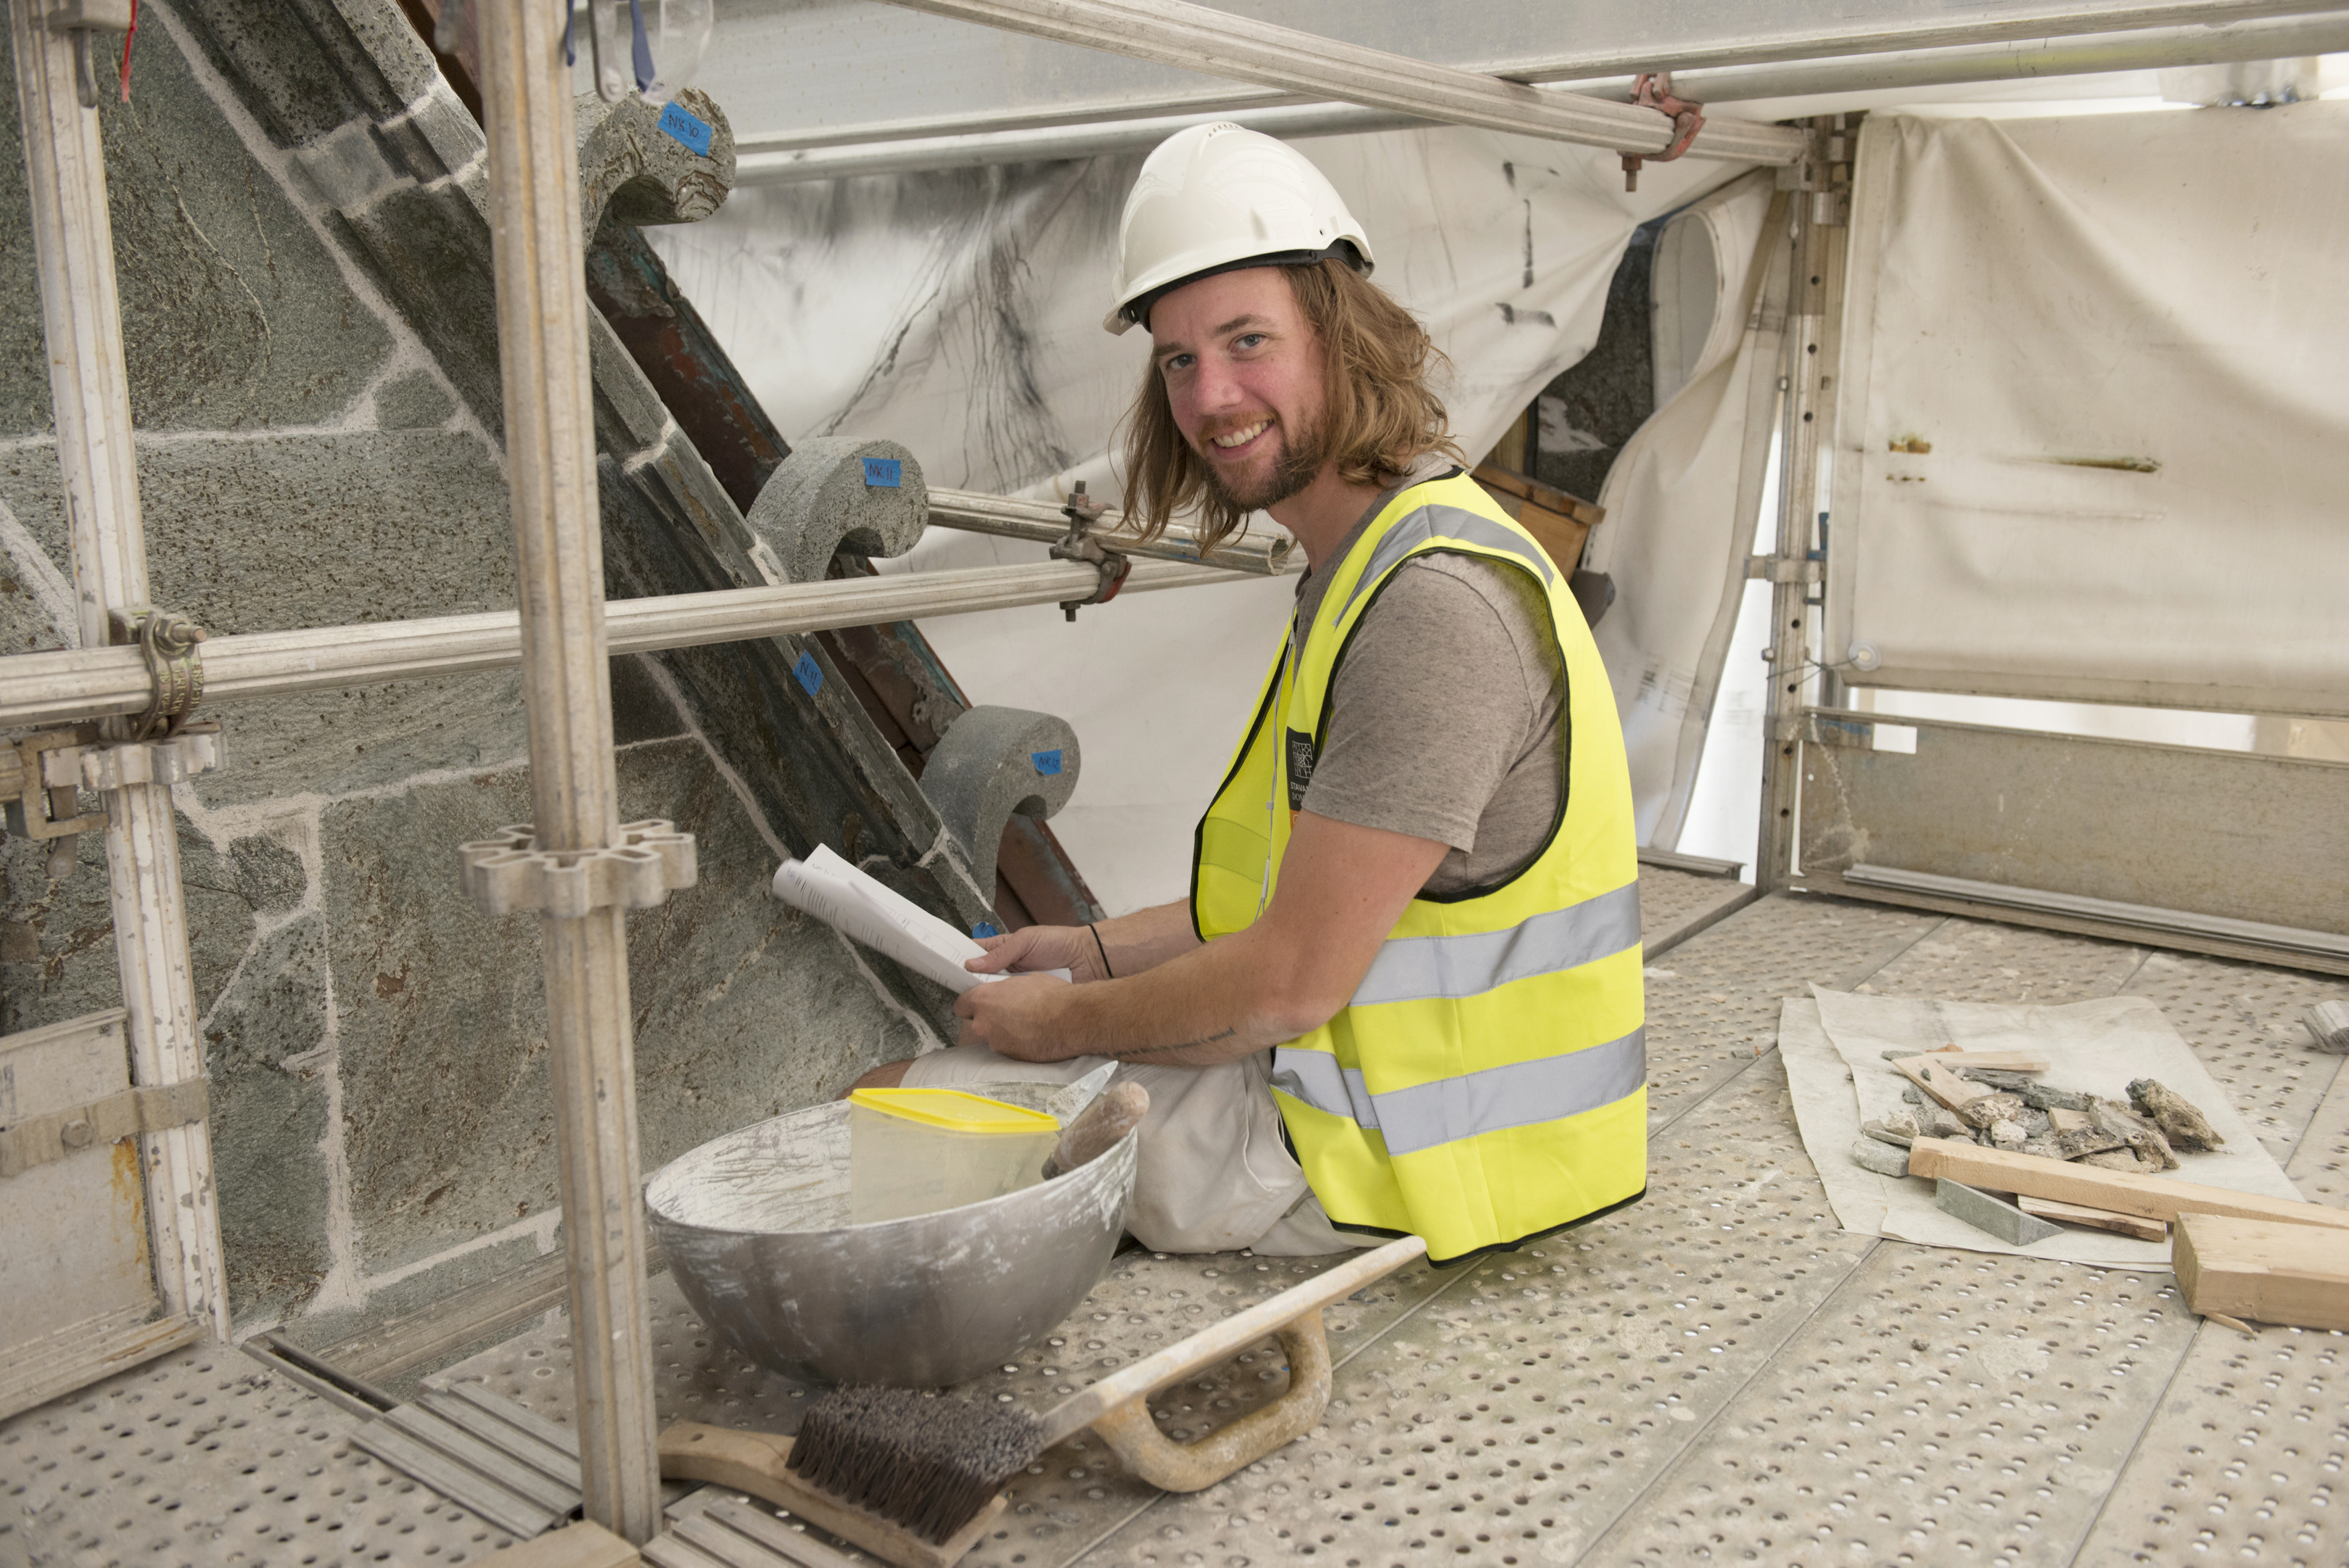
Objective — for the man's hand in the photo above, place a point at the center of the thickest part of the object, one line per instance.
(1069, 947)
(1019, 1017)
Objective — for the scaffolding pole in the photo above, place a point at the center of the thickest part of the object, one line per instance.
(1820, 234)
(1198, 38)
(74, 684)
(73, 250)
(541, 307)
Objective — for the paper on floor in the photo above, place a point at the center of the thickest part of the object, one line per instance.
(1833, 1048)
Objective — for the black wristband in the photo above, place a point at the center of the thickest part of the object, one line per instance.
(1103, 951)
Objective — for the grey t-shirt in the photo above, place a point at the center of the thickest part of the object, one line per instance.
(1444, 719)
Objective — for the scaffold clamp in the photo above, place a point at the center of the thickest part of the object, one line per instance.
(1081, 543)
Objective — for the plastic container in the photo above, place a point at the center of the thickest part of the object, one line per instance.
(918, 1151)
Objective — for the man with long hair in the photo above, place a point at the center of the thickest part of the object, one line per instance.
(1405, 993)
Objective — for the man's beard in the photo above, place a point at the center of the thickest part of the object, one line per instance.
(1302, 454)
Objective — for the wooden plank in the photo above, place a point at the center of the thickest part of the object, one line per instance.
(2263, 1270)
(2094, 1219)
(2121, 1192)
(580, 1545)
(1930, 1074)
(2002, 1061)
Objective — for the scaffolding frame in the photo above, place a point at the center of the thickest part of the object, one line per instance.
(562, 634)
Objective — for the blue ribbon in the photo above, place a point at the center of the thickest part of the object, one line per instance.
(641, 47)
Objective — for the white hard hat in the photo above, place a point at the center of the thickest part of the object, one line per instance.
(1215, 198)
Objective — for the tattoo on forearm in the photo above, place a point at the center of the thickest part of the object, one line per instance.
(1185, 1046)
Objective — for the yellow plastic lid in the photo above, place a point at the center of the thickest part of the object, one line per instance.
(954, 1110)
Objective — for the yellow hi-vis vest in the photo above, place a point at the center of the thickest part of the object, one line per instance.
(1487, 1083)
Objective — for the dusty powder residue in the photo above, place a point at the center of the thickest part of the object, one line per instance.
(789, 1174)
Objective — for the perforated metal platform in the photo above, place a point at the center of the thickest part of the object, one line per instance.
(1716, 1374)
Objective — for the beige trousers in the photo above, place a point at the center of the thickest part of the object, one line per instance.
(1213, 1176)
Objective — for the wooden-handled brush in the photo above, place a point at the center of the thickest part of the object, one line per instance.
(915, 1479)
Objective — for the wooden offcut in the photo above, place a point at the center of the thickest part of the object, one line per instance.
(1937, 1078)
(2094, 1219)
(2001, 1061)
(579, 1545)
(2263, 1270)
(1561, 523)
(2122, 1192)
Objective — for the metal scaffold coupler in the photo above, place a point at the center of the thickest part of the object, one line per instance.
(510, 872)
(1081, 543)
(39, 774)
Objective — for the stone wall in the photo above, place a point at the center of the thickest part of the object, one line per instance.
(382, 1119)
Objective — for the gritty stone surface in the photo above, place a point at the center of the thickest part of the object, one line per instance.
(308, 457)
(269, 1095)
(2174, 1114)
(1884, 1158)
(742, 1008)
(280, 531)
(270, 876)
(56, 938)
(416, 401)
(234, 315)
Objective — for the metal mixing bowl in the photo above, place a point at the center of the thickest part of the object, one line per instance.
(756, 1228)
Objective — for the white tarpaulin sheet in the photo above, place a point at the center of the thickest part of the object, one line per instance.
(1681, 501)
(1834, 1048)
(2124, 340)
(959, 313)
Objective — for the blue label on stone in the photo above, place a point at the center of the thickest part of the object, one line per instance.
(685, 126)
(1046, 761)
(810, 673)
(883, 473)
(987, 928)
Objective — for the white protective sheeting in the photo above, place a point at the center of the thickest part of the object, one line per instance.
(1681, 497)
(2124, 340)
(959, 313)
(1833, 1047)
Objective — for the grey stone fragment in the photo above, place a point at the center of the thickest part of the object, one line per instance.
(995, 761)
(2140, 1135)
(2036, 1123)
(1993, 1215)
(2006, 1134)
(820, 502)
(1913, 1095)
(2081, 1142)
(1998, 1078)
(2047, 1096)
(2174, 1114)
(1881, 1158)
(1899, 1128)
(631, 167)
(1990, 1110)
(1941, 1122)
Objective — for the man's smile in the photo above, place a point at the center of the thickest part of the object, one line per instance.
(1232, 440)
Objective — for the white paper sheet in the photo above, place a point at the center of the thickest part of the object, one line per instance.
(1833, 1048)
(865, 910)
